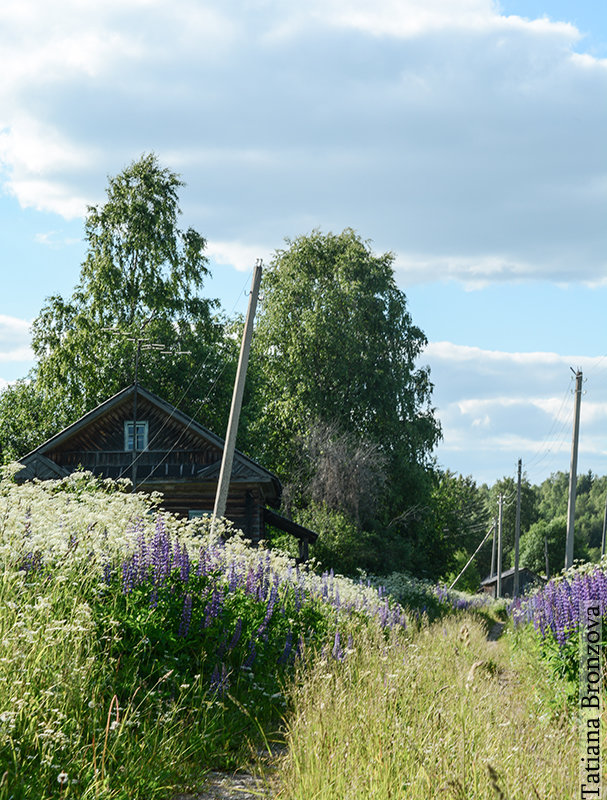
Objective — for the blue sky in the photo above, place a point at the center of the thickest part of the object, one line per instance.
(465, 136)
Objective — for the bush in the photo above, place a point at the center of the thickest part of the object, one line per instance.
(341, 545)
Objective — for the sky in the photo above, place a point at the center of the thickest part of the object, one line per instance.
(467, 137)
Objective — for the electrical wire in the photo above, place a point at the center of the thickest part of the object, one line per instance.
(200, 403)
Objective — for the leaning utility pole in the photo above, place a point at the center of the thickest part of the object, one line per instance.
(573, 470)
(517, 529)
(230, 443)
(500, 517)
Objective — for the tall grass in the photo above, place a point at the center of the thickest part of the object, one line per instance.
(442, 714)
(138, 651)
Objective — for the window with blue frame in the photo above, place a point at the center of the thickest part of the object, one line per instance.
(141, 432)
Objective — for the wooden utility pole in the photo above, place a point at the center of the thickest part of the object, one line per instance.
(500, 517)
(573, 470)
(225, 473)
(517, 529)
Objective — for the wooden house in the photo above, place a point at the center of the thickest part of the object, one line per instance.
(137, 435)
(526, 579)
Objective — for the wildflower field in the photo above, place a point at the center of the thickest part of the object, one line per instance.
(138, 652)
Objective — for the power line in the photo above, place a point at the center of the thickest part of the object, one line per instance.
(200, 403)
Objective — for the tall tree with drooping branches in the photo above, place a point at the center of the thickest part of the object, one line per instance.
(337, 345)
(142, 276)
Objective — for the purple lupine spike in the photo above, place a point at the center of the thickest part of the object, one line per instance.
(128, 579)
(185, 566)
(251, 583)
(213, 609)
(337, 652)
(143, 555)
(221, 650)
(186, 616)
(384, 613)
(237, 633)
(284, 657)
(220, 680)
(270, 609)
(248, 663)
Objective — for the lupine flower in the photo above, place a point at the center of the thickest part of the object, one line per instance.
(237, 633)
(337, 652)
(219, 680)
(186, 616)
(287, 648)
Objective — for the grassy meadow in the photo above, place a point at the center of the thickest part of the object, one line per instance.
(138, 652)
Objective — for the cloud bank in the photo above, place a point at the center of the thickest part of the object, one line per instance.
(468, 142)
(496, 407)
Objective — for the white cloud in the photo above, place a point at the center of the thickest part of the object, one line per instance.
(467, 141)
(409, 18)
(55, 239)
(240, 256)
(495, 405)
(14, 339)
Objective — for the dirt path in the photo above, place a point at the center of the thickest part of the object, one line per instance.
(240, 785)
(227, 786)
(496, 631)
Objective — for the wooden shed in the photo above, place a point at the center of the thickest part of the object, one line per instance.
(166, 451)
(527, 580)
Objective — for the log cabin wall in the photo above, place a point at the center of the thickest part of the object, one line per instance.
(181, 460)
(243, 507)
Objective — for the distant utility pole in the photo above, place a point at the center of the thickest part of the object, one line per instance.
(573, 470)
(493, 549)
(604, 529)
(517, 529)
(500, 518)
(225, 474)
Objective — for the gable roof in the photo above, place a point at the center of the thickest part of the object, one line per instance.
(242, 465)
(508, 573)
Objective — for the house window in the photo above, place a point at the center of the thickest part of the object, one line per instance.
(142, 436)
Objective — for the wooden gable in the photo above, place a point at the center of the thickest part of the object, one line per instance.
(181, 458)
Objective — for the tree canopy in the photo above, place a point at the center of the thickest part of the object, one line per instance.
(141, 277)
(337, 347)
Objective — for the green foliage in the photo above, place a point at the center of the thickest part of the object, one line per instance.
(553, 495)
(470, 581)
(507, 488)
(458, 520)
(342, 545)
(415, 594)
(533, 545)
(27, 418)
(337, 347)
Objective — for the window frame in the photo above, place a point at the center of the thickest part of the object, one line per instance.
(140, 426)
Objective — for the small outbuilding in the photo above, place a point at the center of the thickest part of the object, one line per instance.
(526, 579)
(137, 435)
